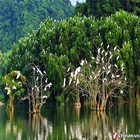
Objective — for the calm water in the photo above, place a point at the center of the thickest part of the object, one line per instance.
(68, 123)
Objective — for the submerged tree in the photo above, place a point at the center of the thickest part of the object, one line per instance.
(13, 83)
(37, 90)
(99, 79)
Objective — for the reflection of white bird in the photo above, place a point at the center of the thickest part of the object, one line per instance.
(18, 74)
(14, 87)
(8, 90)
(64, 83)
(44, 96)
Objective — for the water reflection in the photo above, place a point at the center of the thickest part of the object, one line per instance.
(69, 122)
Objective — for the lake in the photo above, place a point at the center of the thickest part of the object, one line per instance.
(69, 123)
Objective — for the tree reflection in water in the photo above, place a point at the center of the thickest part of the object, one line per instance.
(70, 122)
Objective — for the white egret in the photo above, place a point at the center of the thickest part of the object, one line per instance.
(106, 53)
(44, 96)
(116, 65)
(44, 72)
(113, 76)
(72, 75)
(99, 71)
(64, 83)
(18, 74)
(82, 62)
(102, 44)
(121, 91)
(8, 88)
(38, 70)
(6, 84)
(119, 82)
(107, 46)
(117, 58)
(102, 51)
(117, 76)
(115, 48)
(108, 72)
(70, 81)
(125, 78)
(13, 80)
(14, 87)
(46, 80)
(37, 78)
(68, 69)
(92, 58)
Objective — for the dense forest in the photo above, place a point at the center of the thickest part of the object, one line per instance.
(58, 45)
(20, 17)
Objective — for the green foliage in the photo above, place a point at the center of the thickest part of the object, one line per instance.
(18, 18)
(58, 45)
(11, 80)
(105, 8)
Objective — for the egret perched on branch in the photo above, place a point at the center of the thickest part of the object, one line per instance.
(8, 90)
(44, 96)
(14, 87)
(19, 83)
(46, 80)
(82, 62)
(33, 68)
(38, 70)
(13, 80)
(117, 76)
(113, 76)
(44, 72)
(121, 91)
(64, 83)
(18, 74)
(68, 69)
(115, 48)
(116, 66)
(107, 46)
(117, 58)
(70, 81)
(102, 51)
(37, 78)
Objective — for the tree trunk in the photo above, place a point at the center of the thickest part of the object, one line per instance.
(10, 105)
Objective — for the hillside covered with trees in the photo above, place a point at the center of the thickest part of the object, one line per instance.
(20, 17)
(58, 45)
(99, 8)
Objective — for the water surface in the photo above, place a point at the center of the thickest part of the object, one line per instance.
(68, 123)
